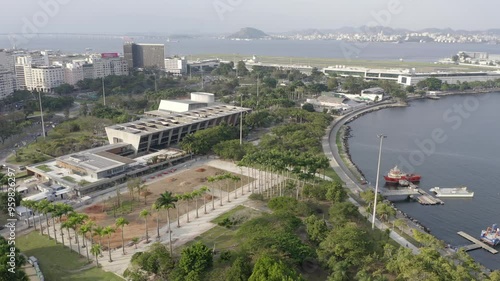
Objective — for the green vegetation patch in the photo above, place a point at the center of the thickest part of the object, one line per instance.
(58, 262)
(44, 168)
(70, 179)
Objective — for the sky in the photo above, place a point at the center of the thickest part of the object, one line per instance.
(226, 16)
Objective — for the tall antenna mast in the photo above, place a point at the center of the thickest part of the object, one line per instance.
(103, 91)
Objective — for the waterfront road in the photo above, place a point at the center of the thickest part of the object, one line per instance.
(331, 151)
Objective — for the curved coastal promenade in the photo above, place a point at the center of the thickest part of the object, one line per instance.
(331, 151)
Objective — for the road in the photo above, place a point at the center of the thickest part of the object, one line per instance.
(331, 151)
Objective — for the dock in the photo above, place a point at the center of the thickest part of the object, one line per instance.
(426, 199)
(477, 243)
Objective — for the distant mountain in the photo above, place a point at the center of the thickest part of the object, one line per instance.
(248, 33)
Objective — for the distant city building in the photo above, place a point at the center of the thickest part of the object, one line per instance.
(6, 83)
(107, 64)
(449, 77)
(43, 78)
(176, 66)
(144, 55)
(366, 73)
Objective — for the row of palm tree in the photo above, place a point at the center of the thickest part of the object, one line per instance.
(78, 222)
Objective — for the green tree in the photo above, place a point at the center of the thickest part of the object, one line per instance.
(270, 269)
(108, 231)
(96, 251)
(308, 107)
(316, 228)
(242, 69)
(240, 270)
(122, 222)
(11, 267)
(335, 192)
(196, 258)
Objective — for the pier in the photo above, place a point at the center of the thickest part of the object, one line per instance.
(477, 243)
(424, 198)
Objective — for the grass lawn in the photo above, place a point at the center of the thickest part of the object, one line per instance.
(325, 62)
(58, 262)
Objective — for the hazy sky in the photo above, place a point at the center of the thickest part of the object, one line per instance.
(222, 16)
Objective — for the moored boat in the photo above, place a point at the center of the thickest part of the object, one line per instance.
(459, 192)
(395, 175)
(491, 235)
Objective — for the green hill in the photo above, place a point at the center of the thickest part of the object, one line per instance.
(248, 33)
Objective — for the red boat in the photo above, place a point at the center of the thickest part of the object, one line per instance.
(395, 175)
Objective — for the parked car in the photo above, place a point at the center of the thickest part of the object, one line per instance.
(32, 260)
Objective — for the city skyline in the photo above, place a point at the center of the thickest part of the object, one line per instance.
(226, 16)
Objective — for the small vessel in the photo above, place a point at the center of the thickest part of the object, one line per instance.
(395, 175)
(404, 183)
(454, 192)
(491, 235)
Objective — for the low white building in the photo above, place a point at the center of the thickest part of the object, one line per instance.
(176, 66)
(449, 77)
(373, 94)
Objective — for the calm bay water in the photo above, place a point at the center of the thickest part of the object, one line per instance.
(428, 52)
(469, 156)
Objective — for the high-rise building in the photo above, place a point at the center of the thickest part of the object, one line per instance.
(144, 55)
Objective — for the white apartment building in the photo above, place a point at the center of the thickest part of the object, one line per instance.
(73, 72)
(43, 78)
(108, 64)
(176, 66)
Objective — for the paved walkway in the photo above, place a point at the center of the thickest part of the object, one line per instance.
(328, 141)
(187, 232)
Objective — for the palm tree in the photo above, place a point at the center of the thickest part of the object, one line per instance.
(157, 209)
(99, 231)
(108, 230)
(167, 201)
(84, 229)
(122, 222)
(67, 225)
(77, 220)
(145, 214)
(187, 196)
(135, 240)
(61, 209)
(53, 210)
(37, 208)
(236, 179)
(96, 251)
(29, 204)
(178, 197)
(43, 208)
(195, 195)
(203, 190)
(46, 208)
(212, 180)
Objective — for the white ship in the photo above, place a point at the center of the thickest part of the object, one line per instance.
(458, 192)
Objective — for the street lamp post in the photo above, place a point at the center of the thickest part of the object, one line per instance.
(41, 114)
(381, 137)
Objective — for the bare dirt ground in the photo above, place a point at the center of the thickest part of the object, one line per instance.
(103, 213)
